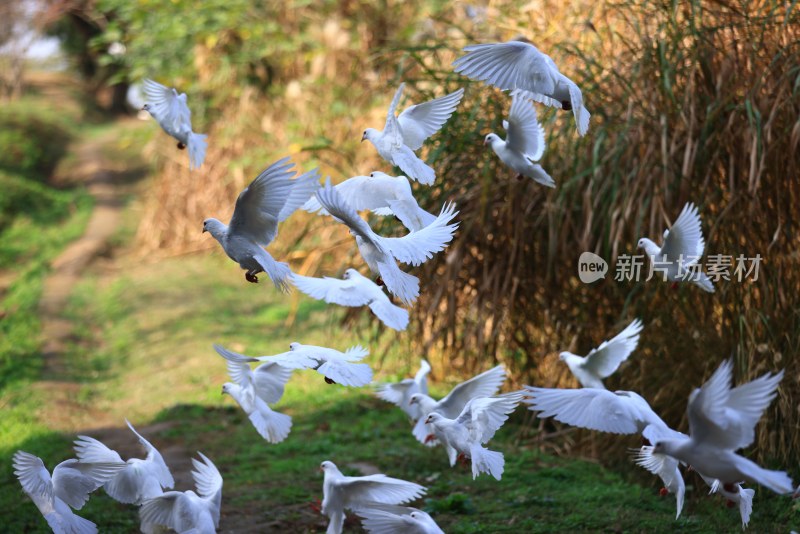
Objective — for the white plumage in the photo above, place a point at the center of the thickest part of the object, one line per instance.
(400, 393)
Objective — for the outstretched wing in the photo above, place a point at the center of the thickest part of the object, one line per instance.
(166, 106)
(208, 482)
(160, 468)
(417, 247)
(332, 290)
(525, 134)
(359, 492)
(32, 474)
(270, 380)
(508, 66)
(484, 385)
(483, 416)
(606, 358)
(332, 201)
(420, 121)
(303, 187)
(685, 239)
(258, 208)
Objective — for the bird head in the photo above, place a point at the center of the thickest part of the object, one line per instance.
(564, 355)
(489, 139)
(226, 388)
(415, 515)
(214, 227)
(146, 107)
(327, 467)
(414, 399)
(294, 346)
(432, 418)
(369, 133)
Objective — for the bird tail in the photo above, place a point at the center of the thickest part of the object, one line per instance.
(336, 522)
(404, 285)
(197, 149)
(412, 166)
(702, 280)
(777, 481)
(540, 176)
(746, 504)
(392, 316)
(273, 426)
(78, 525)
(486, 461)
(277, 271)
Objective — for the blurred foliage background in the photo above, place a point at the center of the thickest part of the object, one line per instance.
(691, 102)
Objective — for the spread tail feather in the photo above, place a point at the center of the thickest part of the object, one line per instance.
(197, 150)
(704, 282)
(277, 271)
(404, 285)
(273, 426)
(777, 481)
(746, 504)
(486, 461)
(412, 166)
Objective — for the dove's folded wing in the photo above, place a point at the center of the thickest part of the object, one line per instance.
(420, 121)
(606, 358)
(359, 492)
(417, 247)
(685, 239)
(508, 66)
(525, 134)
(259, 206)
(485, 384)
(159, 466)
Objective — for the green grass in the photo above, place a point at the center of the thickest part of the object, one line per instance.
(143, 351)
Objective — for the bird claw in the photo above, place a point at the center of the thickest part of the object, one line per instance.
(181, 146)
(251, 277)
(329, 381)
(663, 492)
(379, 281)
(566, 105)
(730, 503)
(429, 438)
(520, 177)
(674, 286)
(316, 505)
(462, 459)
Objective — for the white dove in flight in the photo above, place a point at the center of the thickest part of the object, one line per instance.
(681, 252)
(341, 492)
(139, 480)
(601, 362)
(524, 141)
(170, 110)
(255, 389)
(187, 511)
(393, 519)
(404, 134)
(380, 252)
(520, 65)
(353, 290)
(69, 486)
(271, 198)
(477, 423)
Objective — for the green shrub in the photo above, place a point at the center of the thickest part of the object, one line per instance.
(32, 140)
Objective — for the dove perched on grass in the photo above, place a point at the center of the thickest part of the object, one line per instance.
(169, 109)
(384, 195)
(477, 423)
(682, 249)
(722, 420)
(271, 198)
(354, 290)
(388, 519)
(485, 384)
(187, 511)
(255, 389)
(619, 412)
(404, 134)
(341, 492)
(69, 486)
(520, 65)
(139, 480)
(601, 362)
(400, 393)
(524, 141)
(337, 367)
(380, 252)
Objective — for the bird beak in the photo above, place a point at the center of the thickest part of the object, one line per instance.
(204, 230)
(364, 136)
(321, 470)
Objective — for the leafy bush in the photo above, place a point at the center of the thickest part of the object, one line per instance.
(32, 140)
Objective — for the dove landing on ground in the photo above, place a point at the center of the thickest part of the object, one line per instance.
(485, 384)
(69, 486)
(354, 290)
(477, 423)
(520, 65)
(139, 480)
(722, 420)
(255, 389)
(601, 362)
(170, 110)
(187, 511)
(404, 134)
(271, 198)
(388, 519)
(384, 195)
(380, 252)
(400, 393)
(681, 252)
(341, 492)
(524, 141)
